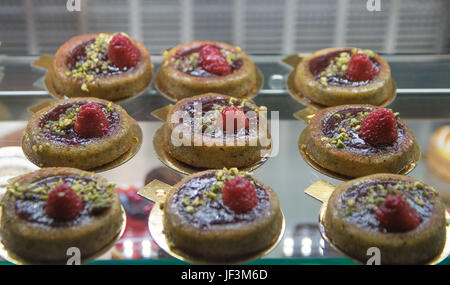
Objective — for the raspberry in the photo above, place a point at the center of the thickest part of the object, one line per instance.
(232, 113)
(63, 203)
(360, 68)
(91, 121)
(122, 53)
(379, 127)
(397, 215)
(239, 195)
(212, 61)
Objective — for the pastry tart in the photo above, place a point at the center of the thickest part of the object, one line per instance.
(358, 140)
(83, 133)
(222, 215)
(50, 210)
(399, 215)
(107, 66)
(337, 76)
(217, 131)
(202, 66)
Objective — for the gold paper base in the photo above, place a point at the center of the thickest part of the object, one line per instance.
(332, 174)
(441, 257)
(13, 258)
(155, 224)
(181, 167)
(45, 62)
(316, 106)
(173, 98)
(137, 143)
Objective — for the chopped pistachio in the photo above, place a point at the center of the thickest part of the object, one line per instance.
(340, 144)
(351, 203)
(190, 209)
(379, 200)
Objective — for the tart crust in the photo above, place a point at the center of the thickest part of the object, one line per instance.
(112, 87)
(211, 154)
(375, 92)
(222, 242)
(177, 84)
(417, 246)
(42, 242)
(47, 152)
(346, 161)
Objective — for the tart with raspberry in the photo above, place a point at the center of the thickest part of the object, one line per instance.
(106, 66)
(215, 131)
(83, 133)
(337, 76)
(222, 215)
(358, 140)
(50, 210)
(202, 66)
(399, 215)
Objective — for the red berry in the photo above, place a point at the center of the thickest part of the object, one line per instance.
(360, 68)
(63, 203)
(132, 195)
(91, 121)
(232, 114)
(239, 195)
(122, 52)
(397, 215)
(212, 61)
(379, 127)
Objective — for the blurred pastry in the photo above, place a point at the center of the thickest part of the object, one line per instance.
(107, 66)
(203, 66)
(337, 76)
(439, 157)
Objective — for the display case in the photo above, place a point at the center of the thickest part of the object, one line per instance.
(423, 99)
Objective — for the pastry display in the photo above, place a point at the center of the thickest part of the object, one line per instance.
(218, 131)
(107, 66)
(47, 211)
(337, 76)
(399, 215)
(438, 158)
(84, 133)
(222, 215)
(358, 140)
(203, 66)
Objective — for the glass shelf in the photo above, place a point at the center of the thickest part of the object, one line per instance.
(423, 100)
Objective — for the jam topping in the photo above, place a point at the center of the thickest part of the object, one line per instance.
(207, 61)
(333, 68)
(89, 60)
(200, 200)
(361, 202)
(59, 124)
(207, 114)
(342, 130)
(31, 200)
